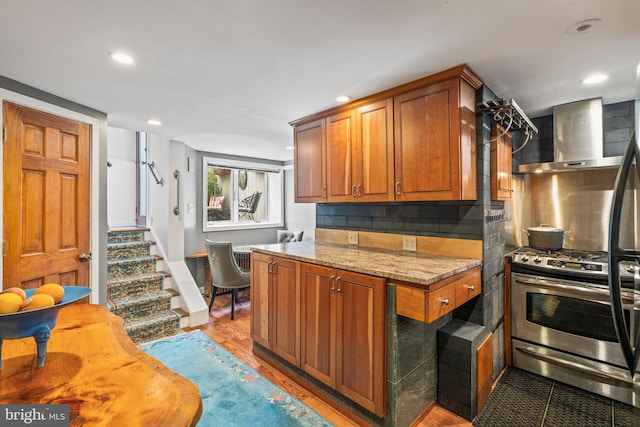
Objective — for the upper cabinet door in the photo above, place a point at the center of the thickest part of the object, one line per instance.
(435, 152)
(309, 162)
(374, 148)
(425, 146)
(341, 154)
(501, 185)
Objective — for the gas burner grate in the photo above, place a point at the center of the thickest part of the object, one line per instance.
(581, 255)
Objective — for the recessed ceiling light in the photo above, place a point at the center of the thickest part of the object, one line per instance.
(583, 27)
(290, 147)
(595, 78)
(154, 122)
(343, 98)
(122, 58)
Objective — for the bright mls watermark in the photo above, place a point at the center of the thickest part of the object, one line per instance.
(34, 415)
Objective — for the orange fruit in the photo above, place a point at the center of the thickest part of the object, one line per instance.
(18, 291)
(52, 289)
(38, 301)
(10, 303)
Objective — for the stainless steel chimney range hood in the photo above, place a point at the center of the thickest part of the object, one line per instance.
(577, 139)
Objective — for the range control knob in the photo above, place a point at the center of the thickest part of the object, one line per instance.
(525, 258)
(537, 260)
(631, 269)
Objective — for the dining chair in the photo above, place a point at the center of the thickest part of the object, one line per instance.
(225, 272)
(285, 236)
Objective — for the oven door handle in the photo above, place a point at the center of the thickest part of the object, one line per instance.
(572, 365)
(582, 290)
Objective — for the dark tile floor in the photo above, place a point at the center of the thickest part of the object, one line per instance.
(523, 399)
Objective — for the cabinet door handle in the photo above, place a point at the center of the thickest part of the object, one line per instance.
(397, 188)
(353, 190)
(332, 285)
(338, 279)
(471, 287)
(445, 301)
(359, 190)
(324, 192)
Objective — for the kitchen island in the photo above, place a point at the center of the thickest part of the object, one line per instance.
(353, 322)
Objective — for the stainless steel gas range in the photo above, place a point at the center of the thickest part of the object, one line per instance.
(562, 325)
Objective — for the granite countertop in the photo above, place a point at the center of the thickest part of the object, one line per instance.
(423, 269)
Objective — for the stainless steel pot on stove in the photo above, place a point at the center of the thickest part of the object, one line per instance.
(546, 237)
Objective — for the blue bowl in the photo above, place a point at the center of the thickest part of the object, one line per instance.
(39, 322)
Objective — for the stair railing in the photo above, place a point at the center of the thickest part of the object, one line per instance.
(152, 166)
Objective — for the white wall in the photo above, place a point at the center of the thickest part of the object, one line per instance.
(158, 209)
(298, 216)
(121, 177)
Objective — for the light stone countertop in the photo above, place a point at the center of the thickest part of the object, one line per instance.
(423, 269)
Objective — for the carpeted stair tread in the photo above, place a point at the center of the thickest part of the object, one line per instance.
(141, 306)
(126, 236)
(135, 285)
(128, 250)
(153, 327)
(161, 296)
(132, 266)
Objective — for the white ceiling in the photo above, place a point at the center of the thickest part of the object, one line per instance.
(227, 76)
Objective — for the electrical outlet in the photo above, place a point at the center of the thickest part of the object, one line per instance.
(353, 237)
(409, 243)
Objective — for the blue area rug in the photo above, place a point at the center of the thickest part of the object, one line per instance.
(232, 393)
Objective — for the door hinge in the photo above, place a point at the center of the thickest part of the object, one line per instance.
(4, 134)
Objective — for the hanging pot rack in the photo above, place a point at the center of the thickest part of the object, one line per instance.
(510, 116)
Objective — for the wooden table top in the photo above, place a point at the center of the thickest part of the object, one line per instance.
(93, 366)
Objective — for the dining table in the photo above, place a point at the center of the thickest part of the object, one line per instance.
(93, 367)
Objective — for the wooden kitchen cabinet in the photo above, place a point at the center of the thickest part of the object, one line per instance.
(501, 177)
(360, 165)
(310, 182)
(275, 305)
(435, 142)
(341, 153)
(415, 142)
(343, 333)
(428, 305)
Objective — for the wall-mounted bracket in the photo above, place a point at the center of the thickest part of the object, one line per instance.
(153, 172)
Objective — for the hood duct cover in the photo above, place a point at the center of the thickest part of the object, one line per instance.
(577, 139)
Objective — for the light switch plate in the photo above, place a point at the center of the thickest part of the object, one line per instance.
(353, 237)
(409, 243)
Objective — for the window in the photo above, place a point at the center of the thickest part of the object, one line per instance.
(241, 195)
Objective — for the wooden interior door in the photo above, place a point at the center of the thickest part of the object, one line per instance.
(46, 199)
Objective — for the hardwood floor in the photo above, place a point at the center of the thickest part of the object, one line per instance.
(235, 337)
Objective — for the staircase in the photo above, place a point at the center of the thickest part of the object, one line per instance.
(135, 289)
